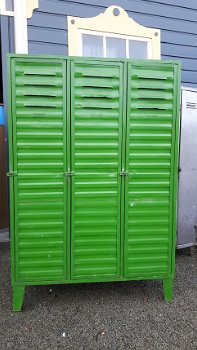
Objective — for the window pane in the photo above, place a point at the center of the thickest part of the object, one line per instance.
(9, 5)
(138, 49)
(115, 48)
(92, 45)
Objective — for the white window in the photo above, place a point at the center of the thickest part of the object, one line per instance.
(21, 10)
(112, 34)
(7, 7)
(98, 44)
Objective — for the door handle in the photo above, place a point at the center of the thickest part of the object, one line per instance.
(11, 173)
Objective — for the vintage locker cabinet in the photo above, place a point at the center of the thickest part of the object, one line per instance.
(93, 154)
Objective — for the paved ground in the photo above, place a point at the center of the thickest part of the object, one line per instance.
(104, 316)
(4, 235)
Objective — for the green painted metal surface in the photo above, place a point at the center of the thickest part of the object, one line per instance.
(39, 164)
(96, 132)
(93, 149)
(149, 161)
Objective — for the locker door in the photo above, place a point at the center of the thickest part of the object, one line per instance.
(151, 162)
(96, 130)
(187, 207)
(37, 130)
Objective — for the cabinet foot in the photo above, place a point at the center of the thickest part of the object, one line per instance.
(18, 295)
(168, 289)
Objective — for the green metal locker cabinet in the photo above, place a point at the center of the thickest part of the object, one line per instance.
(93, 158)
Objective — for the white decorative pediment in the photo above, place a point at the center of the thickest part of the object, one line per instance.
(31, 6)
(114, 20)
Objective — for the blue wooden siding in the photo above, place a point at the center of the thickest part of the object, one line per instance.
(177, 20)
(7, 46)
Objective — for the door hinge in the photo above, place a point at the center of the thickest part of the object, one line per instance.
(124, 173)
(69, 174)
(11, 173)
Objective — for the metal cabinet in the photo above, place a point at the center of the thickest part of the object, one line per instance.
(187, 197)
(93, 170)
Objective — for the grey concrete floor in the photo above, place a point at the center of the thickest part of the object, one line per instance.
(103, 316)
(4, 235)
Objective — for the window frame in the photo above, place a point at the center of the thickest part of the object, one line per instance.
(22, 10)
(31, 5)
(105, 35)
(108, 24)
(4, 11)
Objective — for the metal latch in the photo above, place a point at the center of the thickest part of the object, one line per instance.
(11, 173)
(69, 174)
(123, 173)
(179, 171)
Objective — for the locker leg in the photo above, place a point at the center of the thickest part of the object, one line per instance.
(18, 295)
(192, 251)
(168, 289)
